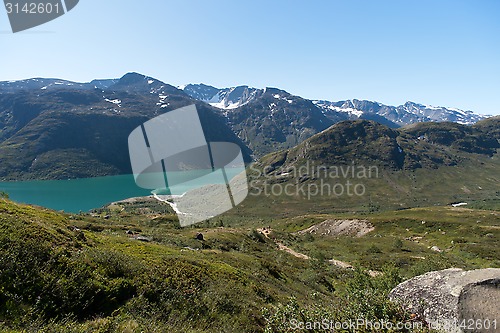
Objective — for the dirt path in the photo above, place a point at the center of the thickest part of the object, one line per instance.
(339, 263)
(282, 247)
(292, 252)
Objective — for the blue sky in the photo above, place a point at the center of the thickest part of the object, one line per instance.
(442, 53)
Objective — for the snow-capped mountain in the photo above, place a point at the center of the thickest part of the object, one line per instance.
(393, 116)
(405, 114)
(270, 119)
(227, 98)
(266, 119)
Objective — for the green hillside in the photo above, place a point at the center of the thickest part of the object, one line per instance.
(428, 164)
(82, 273)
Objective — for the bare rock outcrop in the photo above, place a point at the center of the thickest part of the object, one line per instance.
(335, 228)
(454, 300)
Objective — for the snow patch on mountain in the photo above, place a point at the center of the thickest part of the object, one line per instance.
(226, 99)
(405, 114)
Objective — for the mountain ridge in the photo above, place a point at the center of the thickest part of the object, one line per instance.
(404, 114)
(68, 123)
(234, 97)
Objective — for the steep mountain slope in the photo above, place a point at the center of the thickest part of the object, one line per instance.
(422, 145)
(454, 137)
(490, 126)
(428, 145)
(276, 120)
(266, 119)
(62, 133)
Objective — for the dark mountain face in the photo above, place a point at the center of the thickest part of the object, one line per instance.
(349, 141)
(266, 119)
(74, 133)
(276, 120)
(491, 126)
(379, 119)
(469, 139)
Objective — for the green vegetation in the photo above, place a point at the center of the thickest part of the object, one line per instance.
(91, 273)
(129, 267)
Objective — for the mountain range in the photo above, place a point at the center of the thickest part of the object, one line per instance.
(58, 129)
(408, 113)
(269, 119)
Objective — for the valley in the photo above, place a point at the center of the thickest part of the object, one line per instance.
(340, 210)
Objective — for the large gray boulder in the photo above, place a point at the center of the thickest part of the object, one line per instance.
(454, 300)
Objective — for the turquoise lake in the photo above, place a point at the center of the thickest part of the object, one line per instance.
(77, 195)
(74, 195)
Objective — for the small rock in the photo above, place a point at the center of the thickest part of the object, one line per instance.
(199, 236)
(436, 249)
(190, 248)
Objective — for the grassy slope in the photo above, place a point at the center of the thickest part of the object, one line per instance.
(392, 190)
(56, 278)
